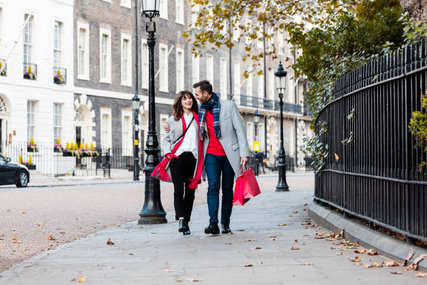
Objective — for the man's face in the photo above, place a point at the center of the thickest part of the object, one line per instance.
(203, 97)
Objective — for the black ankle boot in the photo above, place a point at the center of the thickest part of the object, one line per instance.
(226, 229)
(182, 225)
(187, 230)
(212, 229)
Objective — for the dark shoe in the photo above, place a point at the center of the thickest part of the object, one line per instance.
(187, 231)
(212, 229)
(182, 225)
(226, 229)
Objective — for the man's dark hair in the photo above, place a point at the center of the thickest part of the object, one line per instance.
(204, 85)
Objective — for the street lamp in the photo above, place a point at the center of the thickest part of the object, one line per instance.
(281, 86)
(256, 143)
(152, 212)
(256, 121)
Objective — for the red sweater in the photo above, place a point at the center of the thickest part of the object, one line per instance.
(214, 146)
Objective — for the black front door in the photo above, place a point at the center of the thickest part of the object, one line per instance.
(78, 140)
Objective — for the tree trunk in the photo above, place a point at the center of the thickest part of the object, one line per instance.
(417, 9)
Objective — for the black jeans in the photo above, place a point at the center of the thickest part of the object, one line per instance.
(182, 169)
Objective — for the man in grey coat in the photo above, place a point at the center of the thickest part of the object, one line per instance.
(225, 149)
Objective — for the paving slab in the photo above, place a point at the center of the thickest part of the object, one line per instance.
(258, 252)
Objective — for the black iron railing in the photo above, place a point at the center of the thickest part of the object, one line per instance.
(289, 107)
(371, 171)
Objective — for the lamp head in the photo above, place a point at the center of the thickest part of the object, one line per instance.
(281, 78)
(256, 116)
(150, 8)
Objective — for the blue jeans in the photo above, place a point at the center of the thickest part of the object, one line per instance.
(215, 165)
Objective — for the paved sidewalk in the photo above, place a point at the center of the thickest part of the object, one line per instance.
(259, 252)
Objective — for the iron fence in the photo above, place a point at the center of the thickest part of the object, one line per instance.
(372, 168)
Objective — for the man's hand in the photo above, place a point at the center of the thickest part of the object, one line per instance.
(167, 127)
(244, 160)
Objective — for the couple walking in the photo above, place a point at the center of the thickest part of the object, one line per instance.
(213, 134)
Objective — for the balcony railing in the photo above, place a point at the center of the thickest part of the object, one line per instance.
(30, 71)
(289, 107)
(59, 75)
(307, 112)
(3, 67)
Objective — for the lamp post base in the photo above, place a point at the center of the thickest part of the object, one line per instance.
(152, 212)
(282, 186)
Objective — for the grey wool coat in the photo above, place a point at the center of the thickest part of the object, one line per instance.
(233, 135)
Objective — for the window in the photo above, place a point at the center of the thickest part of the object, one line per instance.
(105, 56)
(194, 14)
(83, 51)
(57, 122)
(281, 43)
(31, 119)
(260, 37)
(250, 134)
(127, 133)
(261, 86)
(163, 119)
(126, 67)
(236, 77)
(106, 128)
(210, 69)
(179, 11)
(270, 84)
(195, 64)
(57, 45)
(236, 32)
(163, 62)
(164, 9)
(261, 136)
(179, 69)
(125, 3)
(249, 82)
(28, 41)
(223, 78)
(144, 64)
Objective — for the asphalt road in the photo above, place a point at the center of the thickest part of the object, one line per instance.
(38, 219)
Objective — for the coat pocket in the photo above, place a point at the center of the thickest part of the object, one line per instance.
(235, 147)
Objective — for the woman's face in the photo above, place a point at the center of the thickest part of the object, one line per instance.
(187, 102)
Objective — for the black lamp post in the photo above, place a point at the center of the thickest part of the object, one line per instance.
(152, 212)
(135, 104)
(281, 86)
(256, 121)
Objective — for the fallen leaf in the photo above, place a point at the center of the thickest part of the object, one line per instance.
(9, 211)
(195, 280)
(389, 263)
(179, 280)
(110, 242)
(305, 204)
(372, 252)
(304, 209)
(240, 230)
(409, 257)
(290, 215)
(81, 279)
(338, 253)
(336, 157)
(2, 245)
(15, 238)
(343, 249)
(168, 270)
(294, 248)
(296, 240)
(281, 225)
(355, 259)
(273, 236)
(295, 212)
(250, 239)
(307, 263)
(247, 265)
(258, 247)
(414, 265)
(272, 239)
(395, 272)
(23, 212)
(360, 251)
(50, 237)
(420, 274)
(40, 224)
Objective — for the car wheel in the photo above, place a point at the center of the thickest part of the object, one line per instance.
(22, 179)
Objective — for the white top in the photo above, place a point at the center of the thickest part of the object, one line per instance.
(189, 144)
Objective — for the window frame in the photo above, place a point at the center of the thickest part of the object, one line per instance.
(57, 112)
(127, 146)
(31, 119)
(179, 14)
(127, 3)
(163, 68)
(210, 69)
(223, 65)
(195, 68)
(86, 74)
(27, 40)
(180, 70)
(163, 10)
(108, 143)
(58, 39)
(128, 67)
(144, 64)
(107, 56)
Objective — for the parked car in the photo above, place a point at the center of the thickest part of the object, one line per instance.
(13, 173)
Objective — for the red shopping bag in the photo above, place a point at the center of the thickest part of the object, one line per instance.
(246, 187)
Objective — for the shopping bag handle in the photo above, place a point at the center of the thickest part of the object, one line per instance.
(242, 168)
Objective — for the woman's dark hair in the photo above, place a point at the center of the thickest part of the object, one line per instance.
(177, 105)
(204, 86)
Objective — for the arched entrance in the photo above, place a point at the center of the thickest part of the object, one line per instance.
(83, 125)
